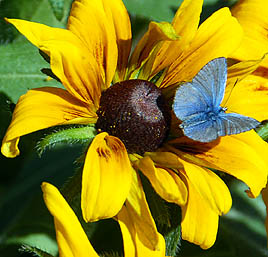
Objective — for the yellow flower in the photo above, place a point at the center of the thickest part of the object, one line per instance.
(93, 53)
(73, 241)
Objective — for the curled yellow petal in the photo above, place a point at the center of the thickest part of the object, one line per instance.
(71, 238)
(165, 182)
(133, 245)
(137, 225)
(42, 108)
(210, 187)
(165, 159)
(199, 222)
(106, 179)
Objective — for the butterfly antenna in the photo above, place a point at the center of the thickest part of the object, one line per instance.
(230, 93)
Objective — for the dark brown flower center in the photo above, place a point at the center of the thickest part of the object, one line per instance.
(135, 112)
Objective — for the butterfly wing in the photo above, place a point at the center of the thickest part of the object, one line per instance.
(234, 123)
(190, 106)
(193, 100)
(188, 101)
(211, 80)
(203, 131)
(225, 124)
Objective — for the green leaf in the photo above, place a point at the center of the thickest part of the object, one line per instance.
(57, 8)
(20, 70)
(33, 227)
(23, 221)
(32, 10)
(40, 11)
(157, 10)
(263, 131)
(245, 223)
(34, 251)
(172, 233)
(211, 6)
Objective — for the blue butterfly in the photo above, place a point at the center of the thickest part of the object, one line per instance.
(197, 105)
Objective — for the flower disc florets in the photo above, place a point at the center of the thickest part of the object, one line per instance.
(135, 112)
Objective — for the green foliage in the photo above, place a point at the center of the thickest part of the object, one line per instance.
(34, 251)
(24, 218)
(245, 222)
(57, 7)
(20, 61)
(157, 10)
(263, 131)
(20, 70)
(33, 10)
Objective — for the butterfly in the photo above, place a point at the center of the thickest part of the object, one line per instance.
(197, 105)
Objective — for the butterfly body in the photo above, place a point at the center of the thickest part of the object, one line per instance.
(197, 105)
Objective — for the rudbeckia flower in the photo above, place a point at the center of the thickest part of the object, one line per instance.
(73, 241)
(128, 98)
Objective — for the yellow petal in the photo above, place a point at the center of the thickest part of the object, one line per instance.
(218, 36)
(165, 159)
(156, 33)
(95, 28)
(210, 187)
(76, 68)
(139, 231)
(42, 108)
(106, 179)
(252, 15)
(37, 33)
(70, 60)
(185, 24)
(123, 34)
(71, 238)
(165, 182)
(244, 156)
(241, 70)
(133, 246)
(199, 222)
(249, 96)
